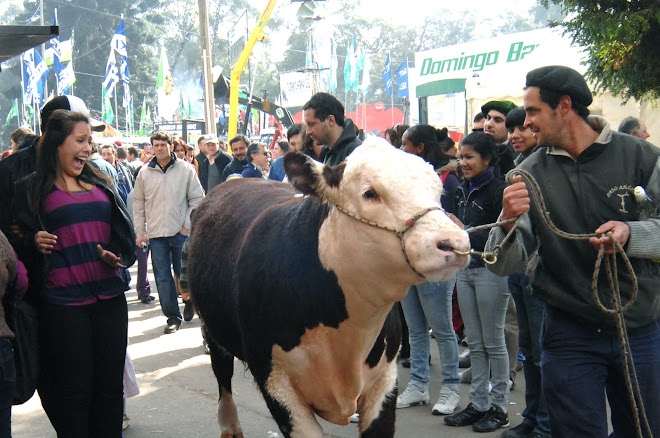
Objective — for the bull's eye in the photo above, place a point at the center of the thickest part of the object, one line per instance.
(370, 194)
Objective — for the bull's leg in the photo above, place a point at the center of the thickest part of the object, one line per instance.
(377, 406)
(294, 418)
(223, 367)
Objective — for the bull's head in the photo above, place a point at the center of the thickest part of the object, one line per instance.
(390, 188)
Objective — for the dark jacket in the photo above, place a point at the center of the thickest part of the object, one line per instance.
(16, 166)
(277, 170)
(250, 171)
(346, 143)
(221, 161)
(122, 237)
(234, 166)
(482, 206)
(504, 159)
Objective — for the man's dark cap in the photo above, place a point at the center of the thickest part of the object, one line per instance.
(502, 106)
(516, 117)
(563, 80)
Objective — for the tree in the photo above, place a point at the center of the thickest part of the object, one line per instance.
(621, 38)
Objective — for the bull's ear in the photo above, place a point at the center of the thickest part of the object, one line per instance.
(310, 176)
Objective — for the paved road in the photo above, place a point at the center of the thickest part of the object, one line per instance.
(179, 393)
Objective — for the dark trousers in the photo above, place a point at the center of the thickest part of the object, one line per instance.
(530, 320)
(7, 386)
(84, 348)
(143, 288)
(582, 365)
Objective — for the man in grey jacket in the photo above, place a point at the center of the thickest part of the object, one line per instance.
(588, 176)
(166, 192)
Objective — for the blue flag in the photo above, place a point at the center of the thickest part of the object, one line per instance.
(118, 44)
(35, 73)
(111, 75)
(402, 79)
(387, 76)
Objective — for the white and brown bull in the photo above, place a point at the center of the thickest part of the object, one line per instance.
(300, 286)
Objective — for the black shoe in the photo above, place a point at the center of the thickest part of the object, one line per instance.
(523, 430)
(188, 310)
(171, 328)
(205, 344)
(464, 359)
(147, 299)
(405, 363)
(467, 416)
(494, 419)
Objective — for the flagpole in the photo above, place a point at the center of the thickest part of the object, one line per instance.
(22, 110)
(116, 112)
(391, 95)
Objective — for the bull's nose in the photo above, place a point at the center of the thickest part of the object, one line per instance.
(453, 245)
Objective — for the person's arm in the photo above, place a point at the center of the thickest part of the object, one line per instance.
(195, 196)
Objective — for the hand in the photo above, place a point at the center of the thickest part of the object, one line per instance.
(619, 230)
(515, 201)
(45, 241)
(141, 239)
(109, 258)
(184, 231)
(16, 230)
(456, 220)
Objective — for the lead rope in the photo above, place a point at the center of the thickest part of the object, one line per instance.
(490, 257)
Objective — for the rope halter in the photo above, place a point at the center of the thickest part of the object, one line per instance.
(399, 233)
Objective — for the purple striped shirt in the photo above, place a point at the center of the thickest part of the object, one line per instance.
(81, 221)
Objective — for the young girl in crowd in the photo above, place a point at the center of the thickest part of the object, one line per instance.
(482, 296)
(76, 236)
(429, 304)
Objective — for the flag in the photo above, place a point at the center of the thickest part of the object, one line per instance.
(143, 116)
(347, 68)
(65, 78)
(366, 73)
(107, 115)
(359, 66)
(355, 73)
(118, 44)
(334, 65)
(387, 76)
(13, 112)
(65, 75)
(35, 74)
(111, 75)
(165, 86)
(402, 79)
(129, 117)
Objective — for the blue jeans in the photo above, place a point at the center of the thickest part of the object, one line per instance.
(530, 320)
(429, 305)
(582, 365)
(7, 386)
(165, 256)
(484, 298)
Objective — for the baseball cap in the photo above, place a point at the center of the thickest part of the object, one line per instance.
(211, 139)
(69, 103)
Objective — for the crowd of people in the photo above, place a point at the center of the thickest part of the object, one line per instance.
(82, 214)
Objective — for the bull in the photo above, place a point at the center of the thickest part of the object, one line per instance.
(298, 281)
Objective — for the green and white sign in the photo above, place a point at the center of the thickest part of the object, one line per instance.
(506, 57)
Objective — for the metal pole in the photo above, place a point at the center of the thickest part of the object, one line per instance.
(209, 99)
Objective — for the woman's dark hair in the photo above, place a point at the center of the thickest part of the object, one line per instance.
(483, 144)
(48, 168)
(435, 143)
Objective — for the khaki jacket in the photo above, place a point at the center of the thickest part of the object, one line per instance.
(164, 201)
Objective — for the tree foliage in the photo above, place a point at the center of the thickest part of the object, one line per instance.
(622, 39)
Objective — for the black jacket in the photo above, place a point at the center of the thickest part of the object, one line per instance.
(234, 166)
(221, 161)
(122, 237)
(346, 143)
(16, 166)
(482, 206)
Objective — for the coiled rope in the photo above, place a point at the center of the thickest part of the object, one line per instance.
(618, 308)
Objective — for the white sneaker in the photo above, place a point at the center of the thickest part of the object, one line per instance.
(412, 397)
(447, 403)
(355, 418)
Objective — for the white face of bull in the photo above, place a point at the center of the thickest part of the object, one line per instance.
(387, 186)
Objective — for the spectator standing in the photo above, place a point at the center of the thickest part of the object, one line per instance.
(327, 126)
(239, 145)
(495, 113)
(483, 297)
(277, 169)
(77, 275)
(19, 136)
(257, 166)
(634, 126)
(587, 176)
(429, 304)
(210, 169)
(166, 192)
(124, 175)
(133, 158)
(478, 123)
(8, 271)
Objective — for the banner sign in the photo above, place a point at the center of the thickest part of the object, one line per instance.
(296, 88)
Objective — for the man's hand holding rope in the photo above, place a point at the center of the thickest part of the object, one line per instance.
(515, 202)
(620, 231)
